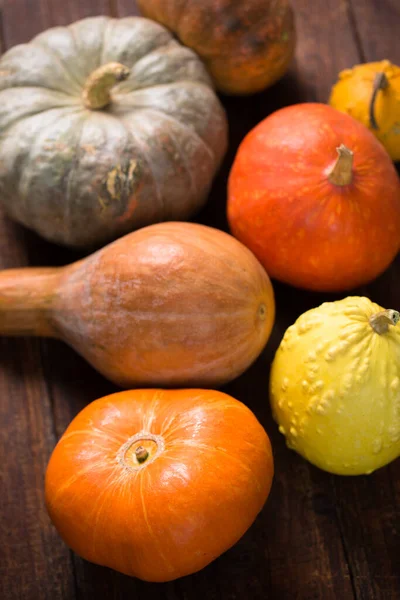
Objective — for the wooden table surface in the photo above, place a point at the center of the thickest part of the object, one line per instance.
(319, 537)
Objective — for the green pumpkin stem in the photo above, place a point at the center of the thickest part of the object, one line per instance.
(342, 171)
(381, 320)
(380, 83)
(97, 90)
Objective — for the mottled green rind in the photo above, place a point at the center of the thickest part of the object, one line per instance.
(82, 178)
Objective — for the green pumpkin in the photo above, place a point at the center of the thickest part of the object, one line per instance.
(106, 126)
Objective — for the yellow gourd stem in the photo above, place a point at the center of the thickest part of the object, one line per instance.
(381, 82)
(380, 321)
(342, 171)
(96, 92)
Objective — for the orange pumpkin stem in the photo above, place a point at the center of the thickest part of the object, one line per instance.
(141, 454)
(381, 320)
(97, 91)
(342, 172)
(381, 82)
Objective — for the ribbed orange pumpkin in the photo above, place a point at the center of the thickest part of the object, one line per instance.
(156, 484)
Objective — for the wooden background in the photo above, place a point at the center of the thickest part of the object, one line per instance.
(320, 537)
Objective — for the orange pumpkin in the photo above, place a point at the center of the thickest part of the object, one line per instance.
(316, 197)
(156, 484)
(246, 45)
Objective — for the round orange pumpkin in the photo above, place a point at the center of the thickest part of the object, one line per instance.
(246, 45)
(156, 484)
(316, 197)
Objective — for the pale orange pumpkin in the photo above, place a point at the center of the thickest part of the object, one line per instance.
(172, 304)
(157, 484)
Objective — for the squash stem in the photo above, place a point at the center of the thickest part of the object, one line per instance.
(141, 454)
(97, 91)
(381, 320)
(380, 83)
(342, 171)
(26, 301)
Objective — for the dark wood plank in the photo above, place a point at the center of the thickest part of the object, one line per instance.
(326, 45)
(369, 507)
(34, 563)
(126, 8)
(24, 19)
(377, 25)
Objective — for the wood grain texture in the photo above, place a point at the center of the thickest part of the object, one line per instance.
(27, 568)
(376, 23)
(326, 44)
(126, 8)
(319, 537)
(34, 562)
(23, 19)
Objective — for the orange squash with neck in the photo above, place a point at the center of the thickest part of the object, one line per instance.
(170, 304)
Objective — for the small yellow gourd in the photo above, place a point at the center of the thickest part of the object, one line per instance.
(335, 386)
(370, 93)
